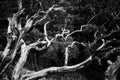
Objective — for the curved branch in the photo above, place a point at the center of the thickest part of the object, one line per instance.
(44, 72)
(23, 57)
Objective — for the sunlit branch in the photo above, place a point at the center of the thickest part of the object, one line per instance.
(6, 51)
(24, 54)
(67, 50)
(112, 70)
(66, 55)
(19, 65)
(13, 23)
(72, 33)
(45, 16)
(102, 45)
(45, 31)
(44, 72)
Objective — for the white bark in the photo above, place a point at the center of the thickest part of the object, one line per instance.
(24, 54)
(44, 72)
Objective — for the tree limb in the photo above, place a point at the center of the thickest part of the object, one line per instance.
(44, 72)
(111, 72)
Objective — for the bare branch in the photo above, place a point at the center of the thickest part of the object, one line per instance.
(55, 69)
(111, 72)
(72, 33)
(45, 33)
(22, 60)
(28, 24)
(25, 71)
(48, 11)
(67, 51)
(20, 4)
(66, 55)
(6, 51)
(9, 26)
(24, 54)
(59, 9)
(102, 45)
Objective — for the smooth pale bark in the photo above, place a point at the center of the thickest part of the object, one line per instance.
(44, 72)
(23, 57)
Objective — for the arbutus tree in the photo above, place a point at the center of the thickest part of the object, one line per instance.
(17, 46)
